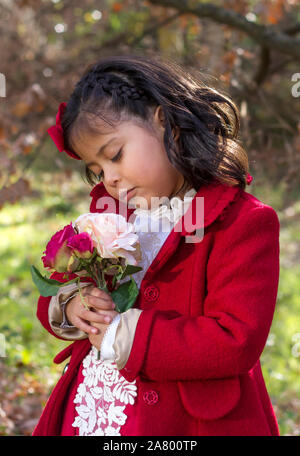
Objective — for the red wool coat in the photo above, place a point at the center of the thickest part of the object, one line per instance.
(207, 311)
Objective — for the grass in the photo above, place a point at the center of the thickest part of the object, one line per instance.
(280, 358)
(25, 229)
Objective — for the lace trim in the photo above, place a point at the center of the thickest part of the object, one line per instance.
(101, 398)
(171, 210)
(107, 349)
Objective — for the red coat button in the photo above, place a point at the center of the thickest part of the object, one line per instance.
(151, 293)
(150, 397)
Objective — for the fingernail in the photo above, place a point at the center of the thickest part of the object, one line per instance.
(107, 319)
(94, 331)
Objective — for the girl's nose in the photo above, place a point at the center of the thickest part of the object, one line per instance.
(111, 178)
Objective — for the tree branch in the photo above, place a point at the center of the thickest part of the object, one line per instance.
(263, 67)
(133, 41)
(267, 36)
(292, 29)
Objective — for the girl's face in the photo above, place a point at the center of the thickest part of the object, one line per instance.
(128, 157)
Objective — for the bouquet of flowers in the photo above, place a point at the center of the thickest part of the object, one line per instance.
(96, 246)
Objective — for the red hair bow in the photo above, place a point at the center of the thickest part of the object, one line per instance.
(56, 133)
(249, 179)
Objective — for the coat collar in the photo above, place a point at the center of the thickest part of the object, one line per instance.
(213, 197)
(216, 197)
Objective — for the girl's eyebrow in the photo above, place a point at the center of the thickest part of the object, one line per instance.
(101, 150)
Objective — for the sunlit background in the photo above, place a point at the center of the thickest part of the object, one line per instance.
(45, 46)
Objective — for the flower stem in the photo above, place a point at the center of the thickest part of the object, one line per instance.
(103, 281)
(99, 283)
(83, 301)
(100, 278)
(91, 273)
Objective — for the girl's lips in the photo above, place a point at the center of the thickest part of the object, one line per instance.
(129, 193)
(124, 195)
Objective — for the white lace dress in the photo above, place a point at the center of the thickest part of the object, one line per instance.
(103, 395)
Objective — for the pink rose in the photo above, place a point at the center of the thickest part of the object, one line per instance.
(58, 257)
(112, 235)
(82, 245)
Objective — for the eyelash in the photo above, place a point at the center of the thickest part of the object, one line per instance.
(114, 159)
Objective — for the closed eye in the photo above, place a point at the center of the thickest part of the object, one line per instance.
(114, 159)
(118, 156)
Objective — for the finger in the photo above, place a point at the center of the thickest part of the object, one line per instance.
(100, 293)
(107, 316)
(100, 303)
(84, 326)
(87, 289)
(96, 317)
(103, 297)
(110, 313)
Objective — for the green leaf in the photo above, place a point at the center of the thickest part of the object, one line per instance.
(46, 287)
(125, 295)
(130, 269)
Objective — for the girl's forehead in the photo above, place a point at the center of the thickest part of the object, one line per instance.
(88, 133)
(99, 129)
(93, 132)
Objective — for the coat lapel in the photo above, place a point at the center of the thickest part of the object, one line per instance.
(213, 198)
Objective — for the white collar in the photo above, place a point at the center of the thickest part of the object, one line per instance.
(172, 209)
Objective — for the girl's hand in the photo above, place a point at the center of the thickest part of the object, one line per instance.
(100, 312)
(96, 339)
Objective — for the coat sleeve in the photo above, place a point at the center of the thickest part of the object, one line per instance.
(43, 302)
(57, 315)
(229, 337)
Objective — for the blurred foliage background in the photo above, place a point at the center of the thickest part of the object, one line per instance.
(247, 48)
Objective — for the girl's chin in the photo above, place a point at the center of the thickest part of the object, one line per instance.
(136, 203)
(145, 203)
(139, 202)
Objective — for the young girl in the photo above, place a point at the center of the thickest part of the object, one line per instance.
(184, 361)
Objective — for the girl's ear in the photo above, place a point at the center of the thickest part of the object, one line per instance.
(176, 130)
(159, 116)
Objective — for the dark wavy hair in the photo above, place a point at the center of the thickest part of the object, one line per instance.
(129, 87)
